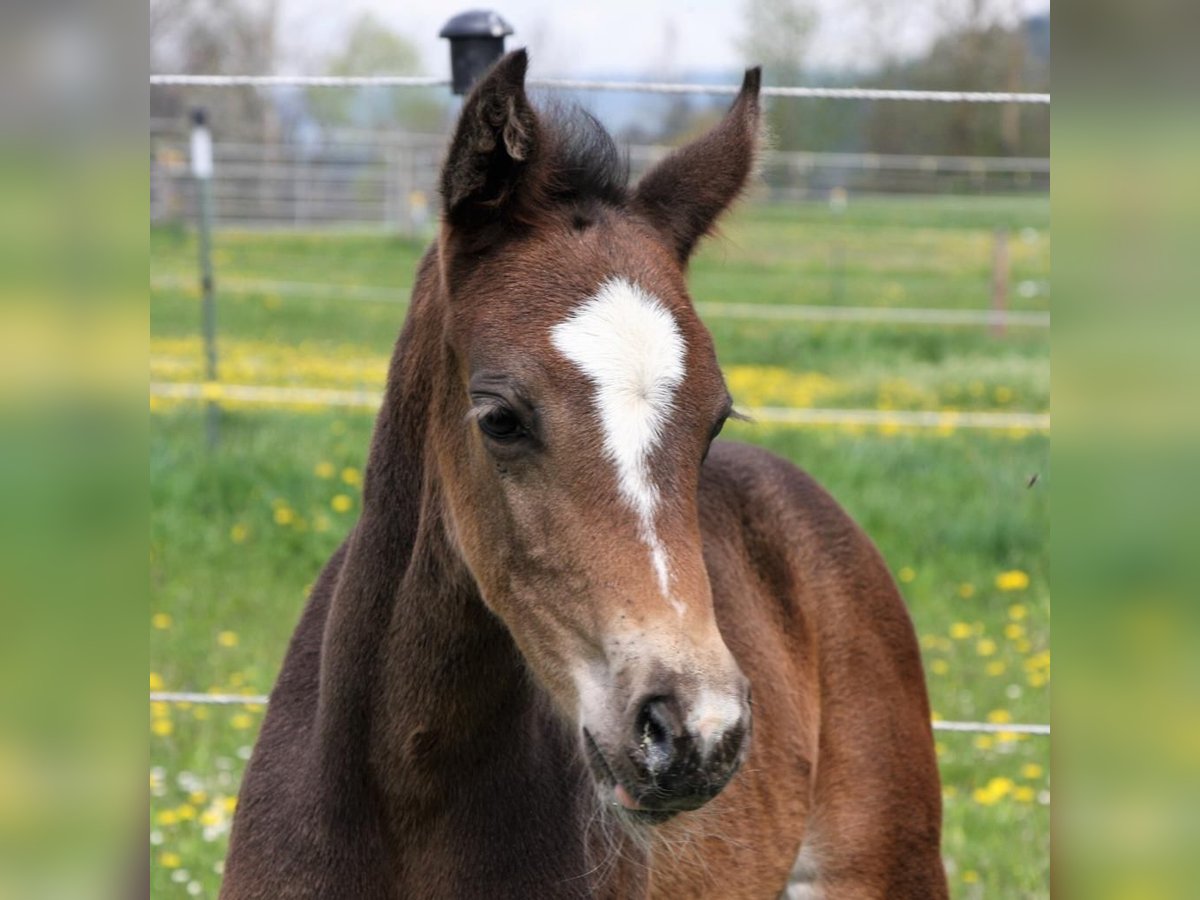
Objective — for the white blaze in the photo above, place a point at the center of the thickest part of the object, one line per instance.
(627, 342)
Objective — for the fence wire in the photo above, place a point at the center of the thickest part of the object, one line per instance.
(277, 395)
(261, 700)
(570, 84)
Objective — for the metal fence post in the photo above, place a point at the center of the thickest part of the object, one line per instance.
(202, 170)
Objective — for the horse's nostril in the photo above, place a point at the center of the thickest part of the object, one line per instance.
(655, 729)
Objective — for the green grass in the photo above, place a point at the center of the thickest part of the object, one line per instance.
(237, 535)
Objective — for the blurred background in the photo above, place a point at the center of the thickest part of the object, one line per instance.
(880, 304)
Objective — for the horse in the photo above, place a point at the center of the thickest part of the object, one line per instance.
(574, 646)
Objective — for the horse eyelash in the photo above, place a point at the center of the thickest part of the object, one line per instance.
(482, 410)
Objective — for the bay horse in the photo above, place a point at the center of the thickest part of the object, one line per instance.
(573, 647)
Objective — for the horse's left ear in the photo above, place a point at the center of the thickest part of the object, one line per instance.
(494, 147)
(684, 194)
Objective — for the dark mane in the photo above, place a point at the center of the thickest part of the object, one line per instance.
(583, 156)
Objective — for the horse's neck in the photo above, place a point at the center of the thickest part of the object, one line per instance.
(426, 710)
(414, 668)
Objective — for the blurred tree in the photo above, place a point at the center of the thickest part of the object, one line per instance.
(983, 46)
(215, 37)
(973, 58)
(372, 48)
(777, 36)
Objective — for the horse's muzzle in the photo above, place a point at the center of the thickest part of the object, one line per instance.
(670, 761)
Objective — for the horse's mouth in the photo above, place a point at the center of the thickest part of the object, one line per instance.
(614, 786)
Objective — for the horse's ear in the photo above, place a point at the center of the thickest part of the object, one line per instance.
(684, 194)
(493, 148)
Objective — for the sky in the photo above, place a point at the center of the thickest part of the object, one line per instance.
(644, 38)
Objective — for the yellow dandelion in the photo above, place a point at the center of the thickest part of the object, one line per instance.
(1012, 580)
(996, 668)
(284, 515)
(186, 812)
(160, 710)
(238, 533)
(210, 818)
(907, 574)
(1013, 631)
(1031, 771)
(983, 742)
(229, 804)
(197, 798)
(966, 590)
(1001, 785)
(1023, 645)
(1037, 679)
(1024, 794)
(986, 647)
(999, 717)
(162, 727)
(156, 682)
(169, 860)
(970, 877)
(167, 817)
(350, 475)
(341, 503)
(1017, 612)
(227, 639)
(161, 621)
(1038, 661)
(242, 721)
(939, 667)
(984, 797)
(960, 631)
(323, 470)
(321, 522)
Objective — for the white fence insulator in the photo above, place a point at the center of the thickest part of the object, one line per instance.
(261, 700)
(568, 84)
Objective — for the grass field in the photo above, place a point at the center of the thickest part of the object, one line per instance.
(237, 535)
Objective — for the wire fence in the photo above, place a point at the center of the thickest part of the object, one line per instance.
(389, 180)
(261, 700)
(793, 312)
(284, 396)
(391, 183)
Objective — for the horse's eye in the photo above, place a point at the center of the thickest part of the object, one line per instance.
(716, 430)
(501, 424)
(712, 436)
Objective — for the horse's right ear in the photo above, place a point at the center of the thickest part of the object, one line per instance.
(494, 147)
(684, 194)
